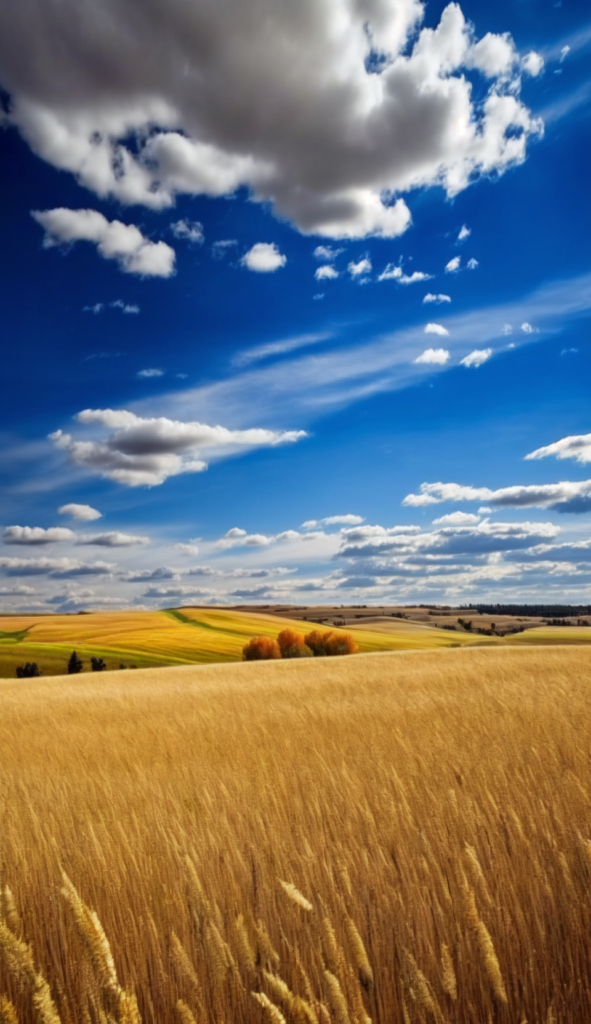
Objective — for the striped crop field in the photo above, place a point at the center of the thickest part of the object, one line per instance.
(400, 838)
(143, 639)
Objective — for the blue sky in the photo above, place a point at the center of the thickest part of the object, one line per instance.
(295, 307)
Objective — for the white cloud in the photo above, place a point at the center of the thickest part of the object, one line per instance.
(264, 257)
(96, 309)
(527, 328)
(569, 351)
(435, 356)
(363, 266)
(564, 52)
(114, 240)
(494, 55)
(221, 247)
(150, 372)
(457, 519)
(114, 539)
(145, 452)
(240, 538)
(36, 535)
(327, 252)
(85, 512)
(472, 264)
(453, 265)
(187, 549)
(192, 230)
(477, 357)
(430, 297)
(124, 307)
(57, 568)
(507, 329)
(437, 329)
(327, 272)
(395, 273)
(564, 496)
(278, 348)
(532, 63)
(346, 520)
(577, 446)
(291, 112)
(465, 232)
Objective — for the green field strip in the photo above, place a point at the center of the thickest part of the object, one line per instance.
(15, 637)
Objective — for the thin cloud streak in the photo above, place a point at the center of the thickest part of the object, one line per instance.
(296, 391)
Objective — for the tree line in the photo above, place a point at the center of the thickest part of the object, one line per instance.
(290, 644)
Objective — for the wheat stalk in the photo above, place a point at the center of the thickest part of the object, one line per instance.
(274, 1012)
(295, 895)
(359, 952)
(184, 1013)
(486, 947)
(337, 999)
(8, 1014)
(449, 975)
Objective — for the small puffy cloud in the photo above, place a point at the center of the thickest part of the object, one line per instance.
(96, 309)
(114, 539)
(453, 265)
(437, 329)
(532, 63)
(165, 593)
(145, 452)
(457, 519)
(187, 549)
(507, 329)
(36, 535)
(192, 230)
(114, 240)
(527, 328)
(465, 232)
(394, 273)
(564, 53)
(430, 297)
(494, 55)
(264, 257)
(85, 512)
(125, 307)
(150, 372)
(472, 264)
(477, 357)
(17, 591)
(566, 496)
(327, 252)
(240, 538)
(363, 266)
(346, 520)
(326, 272)
(434, 356)
(577, 447)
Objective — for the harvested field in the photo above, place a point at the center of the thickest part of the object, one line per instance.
(398, 837)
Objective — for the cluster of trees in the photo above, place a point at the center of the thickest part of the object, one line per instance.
(75, 664)
(290, 644)
(28, 671)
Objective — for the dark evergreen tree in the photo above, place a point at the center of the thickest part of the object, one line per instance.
(74, 664)
(98, 665)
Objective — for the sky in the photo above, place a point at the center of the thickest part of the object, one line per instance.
(295, 303)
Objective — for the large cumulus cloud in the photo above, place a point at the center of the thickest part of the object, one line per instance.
(329, 109)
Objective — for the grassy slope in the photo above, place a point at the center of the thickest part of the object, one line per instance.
(178, 636)
(421, 795)
(203, 635)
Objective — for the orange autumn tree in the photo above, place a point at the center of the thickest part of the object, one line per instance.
(293, 645)
(329, 643)
(261, 648)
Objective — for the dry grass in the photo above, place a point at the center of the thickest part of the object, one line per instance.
(394, 838)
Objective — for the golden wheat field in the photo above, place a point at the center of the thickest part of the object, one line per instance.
(177, 636)
(400, 837)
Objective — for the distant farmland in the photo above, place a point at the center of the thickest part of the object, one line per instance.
(182, 636)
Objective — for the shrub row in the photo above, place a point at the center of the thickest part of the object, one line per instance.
(290, 644)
